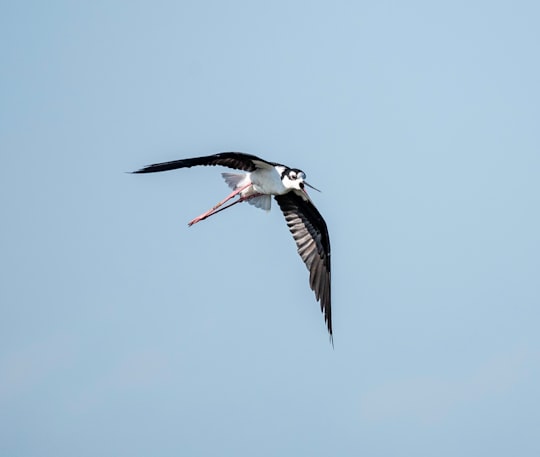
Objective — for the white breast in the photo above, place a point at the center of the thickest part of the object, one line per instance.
(267, 181)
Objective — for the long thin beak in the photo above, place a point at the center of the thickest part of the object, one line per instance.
(310, 186)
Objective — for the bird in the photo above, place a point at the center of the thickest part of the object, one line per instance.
(262, 180)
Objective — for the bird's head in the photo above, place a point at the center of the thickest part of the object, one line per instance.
(293, 178)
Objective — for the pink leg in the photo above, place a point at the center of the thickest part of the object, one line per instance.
(205, 215)
(217, 205)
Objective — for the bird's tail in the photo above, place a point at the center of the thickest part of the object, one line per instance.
(236, 180)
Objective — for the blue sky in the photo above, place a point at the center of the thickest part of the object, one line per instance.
(124, 332)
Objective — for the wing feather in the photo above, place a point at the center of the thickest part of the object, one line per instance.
(235, 160)
(310, 233)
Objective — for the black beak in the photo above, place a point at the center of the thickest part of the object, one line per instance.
(311, 187)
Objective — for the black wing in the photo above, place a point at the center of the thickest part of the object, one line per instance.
(236, 160)
(311, 235)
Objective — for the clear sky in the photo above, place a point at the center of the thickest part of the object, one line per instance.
(124, 332)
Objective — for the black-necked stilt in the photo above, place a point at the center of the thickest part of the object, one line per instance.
(262, 180)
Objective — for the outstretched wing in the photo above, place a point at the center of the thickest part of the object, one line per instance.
(309, 230)
(236, 160)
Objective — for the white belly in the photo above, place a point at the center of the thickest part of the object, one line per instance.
(267, 182)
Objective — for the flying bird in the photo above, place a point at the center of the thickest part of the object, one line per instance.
(262, 181)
